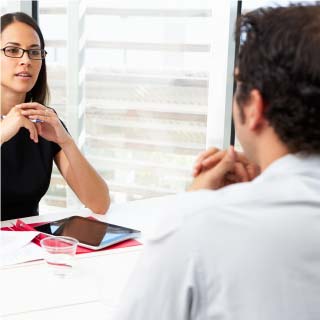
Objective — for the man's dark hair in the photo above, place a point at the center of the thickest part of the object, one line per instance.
(40, 92)
(279, 56)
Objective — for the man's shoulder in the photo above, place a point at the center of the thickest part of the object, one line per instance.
(268, 197)
(191, 205)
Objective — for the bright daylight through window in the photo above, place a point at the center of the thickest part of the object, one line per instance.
(143, 89)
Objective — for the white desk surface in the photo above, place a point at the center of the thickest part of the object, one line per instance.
(29, 291)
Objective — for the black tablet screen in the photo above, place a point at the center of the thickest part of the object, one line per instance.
(87, 231)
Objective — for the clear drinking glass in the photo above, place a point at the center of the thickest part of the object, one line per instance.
(59, 254)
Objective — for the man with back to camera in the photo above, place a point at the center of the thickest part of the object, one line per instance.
(249, 251)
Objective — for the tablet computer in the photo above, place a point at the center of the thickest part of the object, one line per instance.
(90, 233)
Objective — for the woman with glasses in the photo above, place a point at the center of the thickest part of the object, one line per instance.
(32, 135)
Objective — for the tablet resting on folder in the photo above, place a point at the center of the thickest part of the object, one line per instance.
(90, 233)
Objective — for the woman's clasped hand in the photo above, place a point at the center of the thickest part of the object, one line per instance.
(38, 120)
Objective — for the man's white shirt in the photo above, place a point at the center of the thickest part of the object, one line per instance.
(250, 251)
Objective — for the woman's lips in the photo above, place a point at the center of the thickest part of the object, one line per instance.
(23, 75)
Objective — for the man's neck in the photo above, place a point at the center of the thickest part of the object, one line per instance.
(9, 100)
(270, 152)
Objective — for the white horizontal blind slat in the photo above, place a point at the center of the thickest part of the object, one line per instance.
(134, 12)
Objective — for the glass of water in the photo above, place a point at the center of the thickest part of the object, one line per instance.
(59, 254)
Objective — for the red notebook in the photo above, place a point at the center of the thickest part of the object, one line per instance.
(22, 226)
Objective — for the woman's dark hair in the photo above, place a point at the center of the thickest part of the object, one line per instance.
(40, 92)
(280, 57)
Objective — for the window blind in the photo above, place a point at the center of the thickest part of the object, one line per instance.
(145, 91)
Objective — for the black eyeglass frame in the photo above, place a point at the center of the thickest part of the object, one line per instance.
(43, 53)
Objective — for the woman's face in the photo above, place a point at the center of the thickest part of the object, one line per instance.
(19, 75)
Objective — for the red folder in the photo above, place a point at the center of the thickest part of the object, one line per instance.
(22, 226)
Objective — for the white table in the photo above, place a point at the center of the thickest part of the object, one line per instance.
(29, 291)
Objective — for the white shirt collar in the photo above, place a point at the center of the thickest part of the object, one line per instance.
(292, 163)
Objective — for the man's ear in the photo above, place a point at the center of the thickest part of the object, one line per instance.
(255, 110)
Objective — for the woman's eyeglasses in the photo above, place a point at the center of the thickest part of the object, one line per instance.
(16, 52)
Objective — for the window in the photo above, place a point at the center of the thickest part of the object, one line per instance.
(146, 91)
(133, 82)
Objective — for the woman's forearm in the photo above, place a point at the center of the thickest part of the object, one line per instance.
(88, 185)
